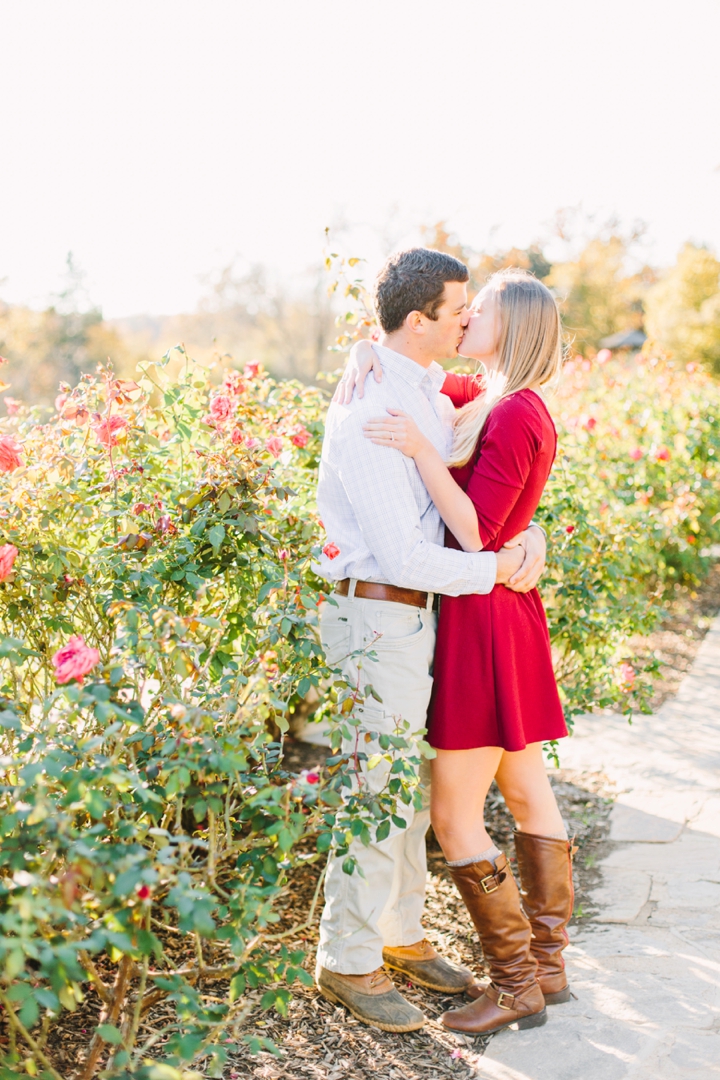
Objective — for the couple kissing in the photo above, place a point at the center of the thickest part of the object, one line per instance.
(428, 485)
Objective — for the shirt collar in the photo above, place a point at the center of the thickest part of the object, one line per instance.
(407, 369)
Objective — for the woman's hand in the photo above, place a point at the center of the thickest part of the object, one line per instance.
(534, 543)
(397, 431)
(361, 361)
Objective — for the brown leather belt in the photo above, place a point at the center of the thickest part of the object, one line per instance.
(374, 590)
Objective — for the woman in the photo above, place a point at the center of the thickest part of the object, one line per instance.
(495, 700)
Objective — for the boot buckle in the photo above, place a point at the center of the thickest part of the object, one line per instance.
(500, 997)
(495, 884)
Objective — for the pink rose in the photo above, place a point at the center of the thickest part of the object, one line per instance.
(233, 383)
(60, 402)
(274, 446)
(221, 408)
(8, 555)
(603, 356)
(109, 432)
(236, 436)
(9, 454)
(636, 454)
(252, 368)
(252, 444)
(663, 454)
(590, 424)
(12, 405)
(331, 550)
(74, 660)
(627, 675)
(300, 436)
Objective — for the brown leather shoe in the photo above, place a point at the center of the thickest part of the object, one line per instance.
(545, 869)
(423, 965)
(371, 999)
(513, 996)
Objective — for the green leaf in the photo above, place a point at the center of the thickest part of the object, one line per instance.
(382, 831)
(110, 1034)
(216, 535)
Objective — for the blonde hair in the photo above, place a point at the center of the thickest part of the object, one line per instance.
(529, 347)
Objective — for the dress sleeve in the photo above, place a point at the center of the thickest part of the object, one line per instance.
(462, 389)
(508, 448)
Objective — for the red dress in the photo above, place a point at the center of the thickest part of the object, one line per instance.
(493, 676)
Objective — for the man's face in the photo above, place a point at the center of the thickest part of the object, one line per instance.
(444, 334)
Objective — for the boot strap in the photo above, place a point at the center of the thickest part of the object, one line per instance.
(503, 1000)
(492, 882)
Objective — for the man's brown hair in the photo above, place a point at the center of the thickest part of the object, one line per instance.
(414, 280)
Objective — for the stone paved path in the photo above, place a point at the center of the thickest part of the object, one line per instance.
(646, 970)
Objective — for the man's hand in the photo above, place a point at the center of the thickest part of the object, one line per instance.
(534, 545)
(509, 561)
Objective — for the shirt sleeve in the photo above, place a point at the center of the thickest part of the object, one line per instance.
(507, 452)
(377, 483)
(462, 389)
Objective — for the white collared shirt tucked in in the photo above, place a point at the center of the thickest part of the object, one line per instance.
(372, 500)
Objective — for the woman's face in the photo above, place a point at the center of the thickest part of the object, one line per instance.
(481, 334)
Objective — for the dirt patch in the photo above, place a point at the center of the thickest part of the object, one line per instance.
(679, 634)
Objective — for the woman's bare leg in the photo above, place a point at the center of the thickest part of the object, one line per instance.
(460, 783)
(525, 786)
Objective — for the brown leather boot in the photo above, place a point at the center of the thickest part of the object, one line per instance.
(513, 996)
(545, 869)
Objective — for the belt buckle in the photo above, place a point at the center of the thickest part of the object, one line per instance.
(483, 882)
(500, 997)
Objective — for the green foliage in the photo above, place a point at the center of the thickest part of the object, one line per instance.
(683, 308)
(171, 525)
(632, 501)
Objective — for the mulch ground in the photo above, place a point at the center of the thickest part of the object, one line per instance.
(320, 1041)
(679, 634)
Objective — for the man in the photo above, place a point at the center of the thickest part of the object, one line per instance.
(386, 557)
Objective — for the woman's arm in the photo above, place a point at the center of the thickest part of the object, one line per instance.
(361, 361)
(455, 508)
(462, 389)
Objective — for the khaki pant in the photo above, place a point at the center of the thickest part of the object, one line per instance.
(385, 906)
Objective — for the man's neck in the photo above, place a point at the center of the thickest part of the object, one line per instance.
(400, 343)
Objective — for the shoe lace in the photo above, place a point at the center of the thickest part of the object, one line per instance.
(377, 976)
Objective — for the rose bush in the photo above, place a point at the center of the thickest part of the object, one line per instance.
(158, 612)
(632, 502)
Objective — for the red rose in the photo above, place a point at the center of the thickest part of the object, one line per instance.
(331, 550)
(636, 454)
(663, 454)
(300, 437)
(143, 892)
(569, 528)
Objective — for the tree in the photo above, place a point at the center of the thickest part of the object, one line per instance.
(596, 293)
(683, 308)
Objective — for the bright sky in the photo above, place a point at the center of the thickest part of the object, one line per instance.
(157, 139)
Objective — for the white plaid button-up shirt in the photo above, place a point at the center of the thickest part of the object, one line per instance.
(372, 501)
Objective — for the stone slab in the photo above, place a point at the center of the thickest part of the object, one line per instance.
(629, 824)
(622, 895)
